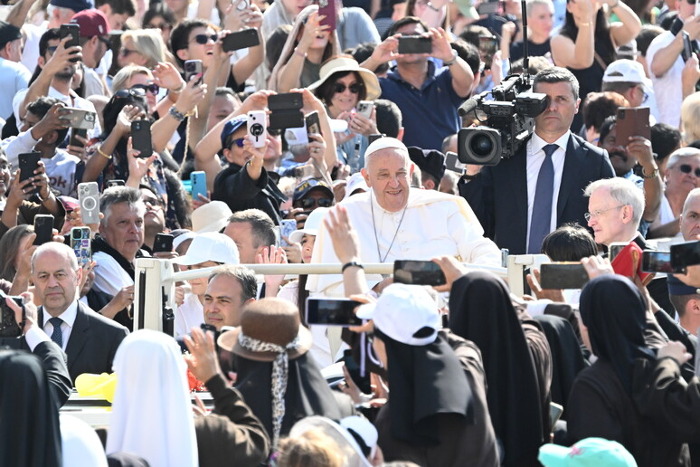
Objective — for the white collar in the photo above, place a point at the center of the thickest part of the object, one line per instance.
(68, 316)
(538, 143)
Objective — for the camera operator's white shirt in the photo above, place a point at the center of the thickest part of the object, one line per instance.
(535, 158)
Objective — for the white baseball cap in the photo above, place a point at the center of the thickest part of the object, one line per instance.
(401, 311)
(626, 71)
(355, 182)
(311, 226)
(210, 217)
(210, 246)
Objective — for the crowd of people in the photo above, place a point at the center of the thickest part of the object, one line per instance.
(225, 135)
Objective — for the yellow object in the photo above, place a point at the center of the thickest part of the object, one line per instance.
(101, 385)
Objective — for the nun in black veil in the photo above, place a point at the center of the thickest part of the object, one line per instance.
(518, 393)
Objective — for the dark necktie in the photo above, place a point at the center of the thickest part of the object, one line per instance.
(542, 208)
(56, 335)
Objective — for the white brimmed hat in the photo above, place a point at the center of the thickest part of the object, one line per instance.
(210, 217)
(346, 63)
(403, 310)
(210, 246)
(311, 226)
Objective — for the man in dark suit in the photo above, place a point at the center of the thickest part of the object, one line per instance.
(89, 339)
(523, 198)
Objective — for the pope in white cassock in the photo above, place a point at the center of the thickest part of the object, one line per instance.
(394, 221)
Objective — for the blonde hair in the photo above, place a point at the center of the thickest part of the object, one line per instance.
(149, 43)
(121, 79)
(690, 118)
(313, 449)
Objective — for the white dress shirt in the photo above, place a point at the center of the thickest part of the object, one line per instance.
(535, 158)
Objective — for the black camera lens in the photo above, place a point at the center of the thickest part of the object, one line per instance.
(481, 145)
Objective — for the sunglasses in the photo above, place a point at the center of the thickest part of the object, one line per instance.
(309, 203)
(686, 169)
(355, 88)
(238, 142)
(164, 26)
(152, 88)
(126, 52)
(129, 93)
(204, 38)
(51, 49)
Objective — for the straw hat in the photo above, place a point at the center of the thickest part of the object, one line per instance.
(348, 64)
(270, 320)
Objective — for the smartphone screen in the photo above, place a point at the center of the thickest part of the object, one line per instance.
(656, 261)
(418, 273)
(684, 255)
(43, 228)
(415, 45)
(562, 276)
(332, 312)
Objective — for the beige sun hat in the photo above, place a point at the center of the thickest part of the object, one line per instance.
(345, 63)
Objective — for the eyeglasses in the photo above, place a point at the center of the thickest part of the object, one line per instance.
(308, 203)
(5, 166)
(153, 203)
(592, 215)
(204, 38)
(355, 88)
(51, 49)
(686, 169)
(238, 142)
(152, 88)
(126, 52)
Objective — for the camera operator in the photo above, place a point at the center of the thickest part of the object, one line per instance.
(524, 197)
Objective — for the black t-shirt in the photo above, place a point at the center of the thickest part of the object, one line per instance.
(517, 50)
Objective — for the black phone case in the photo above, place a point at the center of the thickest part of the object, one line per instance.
(43, 228)
(286, 101)
(240, 40)
(163, 243)
(415, 45)
(141, 137)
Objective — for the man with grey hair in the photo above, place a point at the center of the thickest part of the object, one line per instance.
(527, 196)
(615, 208)
(252, 230)
(89, 339)
(395, 221)
(118, 244)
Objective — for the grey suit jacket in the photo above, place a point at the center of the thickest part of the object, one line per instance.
(92, 343)
(498, 195)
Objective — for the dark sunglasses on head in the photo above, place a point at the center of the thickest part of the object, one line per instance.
(238, 142)
(152, 88)
(355, 88)
(309, 203)
(204, 38)
(686, 169)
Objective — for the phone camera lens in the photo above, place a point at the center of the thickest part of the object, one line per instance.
(257, 129)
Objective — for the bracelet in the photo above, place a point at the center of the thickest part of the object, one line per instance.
(454, 59)
(653, 174)
(352, 264)
(183, 84)
(179, 116)
(103, 154)
(301, 54)
(432, 7)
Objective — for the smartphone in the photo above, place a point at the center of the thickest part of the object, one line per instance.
(555, 411)
(242, 5)
(43, 228)
(82, 132)
(257, 128)
(141, 138)
(283, 119)
(115, 182)
(562, 276)
(452, 163)
(631, 121)
(287, 226)
(614, 249)
(656, 261)
(624, 263)
(28, 163)
(198, 184)
(163, 243)
(193, 68)
(240, 40)
(415, 45)
(71, 30)
(285, 101)
(89, 199)
(365, 108)
(327, 8)
(313, 124)
(374, 137)
(684, 255)
(79, 118)
(687, 46)
(418, 273)
(488, 8)
(81, 244)
(9, 327)
(332, 312)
